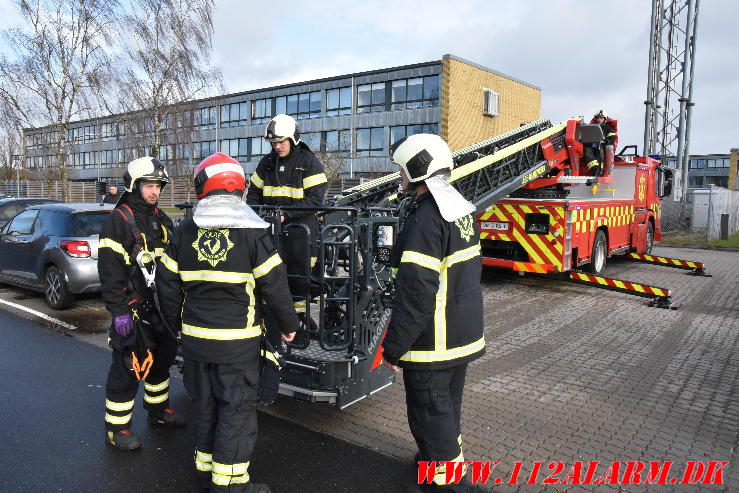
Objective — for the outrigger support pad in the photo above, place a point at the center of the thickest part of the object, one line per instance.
(660, 297)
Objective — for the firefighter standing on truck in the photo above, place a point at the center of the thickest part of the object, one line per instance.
(213, 274)
(291, 175)
(436, 327)
(591, 152)
(143, 347)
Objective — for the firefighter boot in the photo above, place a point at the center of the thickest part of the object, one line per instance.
(252, 488)
(122, 440)
(168, 417)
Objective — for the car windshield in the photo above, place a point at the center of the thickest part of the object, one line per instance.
(88, 223)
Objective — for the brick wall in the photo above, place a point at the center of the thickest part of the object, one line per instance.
(462, 120)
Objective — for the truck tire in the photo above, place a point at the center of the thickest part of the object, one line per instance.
(56, 292)
(598, 254)
(650, 238)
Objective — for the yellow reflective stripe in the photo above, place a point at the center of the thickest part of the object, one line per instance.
(267, 266)
(222, 480)
(440, 473)
(446, 355)
(250, 310)
(230, 469)
(440, 312)
(156, 388)
(170, 264)
(313, 261)
(256, 180)
(221, 334)
(421, 259)
(216, 276)
(203, 466)
(117, 420)
(393, 272)
(300, 306)
(270, 356)
(156, 399)
(611, 134)
(116, 247)
(313, 180)
(295, 193)
(119, 406)
(592, 164)
(461, 255)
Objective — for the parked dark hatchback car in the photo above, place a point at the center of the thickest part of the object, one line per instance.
(53, 248)
(12, 206)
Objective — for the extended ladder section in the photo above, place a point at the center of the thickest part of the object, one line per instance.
(484, 172)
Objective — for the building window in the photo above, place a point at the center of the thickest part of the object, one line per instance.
(90, 133)
(262, 110)
(338, 141)
(402, 131)
(371, 97)
(312, 140)
(108, 159)
(339, 101)
(75, 134)
(696, 163)
(233, 115)
(108, 132)
(418, 92)
(370, 141)
(490, 102)
(201, 150)
(236, 148)
(205, 117)
(258, 147)
(301, 106)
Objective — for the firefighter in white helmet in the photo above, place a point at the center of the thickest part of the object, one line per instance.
(218, 264)
(291, 175)
(143, 347)
(591, 152)
(436, 327)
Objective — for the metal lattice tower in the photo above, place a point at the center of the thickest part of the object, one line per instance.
(670, 80)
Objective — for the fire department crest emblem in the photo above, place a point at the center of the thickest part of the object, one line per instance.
(212, 245)
(466, 228)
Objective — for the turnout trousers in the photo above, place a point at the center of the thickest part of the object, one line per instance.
(121, 386)
(434, 402)
(225, 398)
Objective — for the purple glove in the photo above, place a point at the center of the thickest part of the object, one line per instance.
(123, 324)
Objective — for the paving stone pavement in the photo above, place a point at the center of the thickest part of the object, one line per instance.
(572, 373)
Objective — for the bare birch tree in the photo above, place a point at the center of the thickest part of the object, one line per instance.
(166, 65)
(59, 61)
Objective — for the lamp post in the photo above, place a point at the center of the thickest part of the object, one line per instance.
(15, 162)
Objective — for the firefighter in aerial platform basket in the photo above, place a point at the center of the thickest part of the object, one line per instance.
(213, 274)
(436, 327)
(291, 175)
(132, 237)
(591, 152)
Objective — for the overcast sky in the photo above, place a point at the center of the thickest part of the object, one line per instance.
(583, 54)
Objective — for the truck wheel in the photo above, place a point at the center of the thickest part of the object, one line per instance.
(599, 254)
(650, 238)
(56, 292)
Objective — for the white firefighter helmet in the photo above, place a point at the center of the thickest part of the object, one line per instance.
(422, 155)
(427, 158)
(282, 127)
(601, 113)
(145, 168)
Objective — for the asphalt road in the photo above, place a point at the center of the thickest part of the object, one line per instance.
(52, 439)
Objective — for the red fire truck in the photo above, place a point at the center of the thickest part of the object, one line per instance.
(565, 219)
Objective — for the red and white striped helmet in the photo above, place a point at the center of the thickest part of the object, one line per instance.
(219, 172)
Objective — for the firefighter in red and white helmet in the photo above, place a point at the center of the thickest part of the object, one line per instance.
(291, 175)
(217, 267)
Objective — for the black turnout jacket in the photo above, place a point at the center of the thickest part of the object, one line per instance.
(437, 313)
(120, 276)
(210, 283)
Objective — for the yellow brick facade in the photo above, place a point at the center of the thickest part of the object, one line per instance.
(733, 169)
(462, 120)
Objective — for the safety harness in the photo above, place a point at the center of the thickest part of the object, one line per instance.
(146, 260)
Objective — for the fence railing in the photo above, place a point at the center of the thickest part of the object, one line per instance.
(697, 218)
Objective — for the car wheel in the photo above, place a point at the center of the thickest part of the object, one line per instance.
(56, 291)
(650, 238)
(599, 254)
